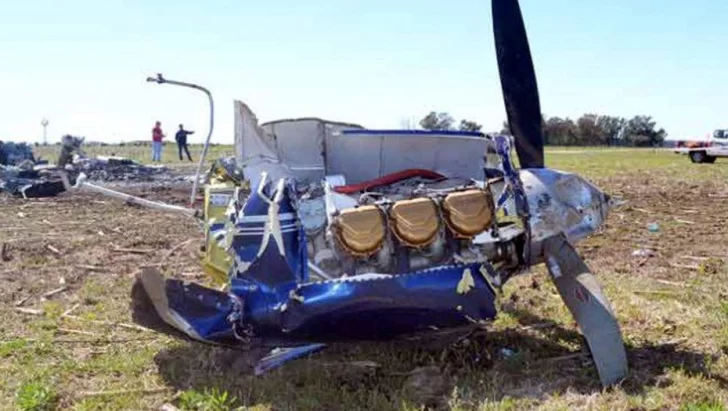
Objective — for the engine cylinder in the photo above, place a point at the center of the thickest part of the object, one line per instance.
(361, 231)
(468, 213)
(415, 222)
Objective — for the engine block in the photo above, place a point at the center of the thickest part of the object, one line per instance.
(395, 235)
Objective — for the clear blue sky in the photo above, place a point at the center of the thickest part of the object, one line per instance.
(380, 63)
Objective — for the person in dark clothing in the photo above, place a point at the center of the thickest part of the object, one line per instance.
(181, 138)
(3, 156)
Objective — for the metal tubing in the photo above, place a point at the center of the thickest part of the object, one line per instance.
(81, 184)
(161, 80)
(318, 270)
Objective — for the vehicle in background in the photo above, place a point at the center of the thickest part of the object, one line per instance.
(705, 151)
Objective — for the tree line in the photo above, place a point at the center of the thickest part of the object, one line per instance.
(587, 130)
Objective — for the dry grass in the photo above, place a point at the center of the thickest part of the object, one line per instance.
(142, 153)
(672, 307)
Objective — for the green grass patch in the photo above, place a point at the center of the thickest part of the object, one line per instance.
(36, 396)
(209, 400)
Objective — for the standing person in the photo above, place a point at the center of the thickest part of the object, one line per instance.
(3, 156)
(157, 137)
(181, 138)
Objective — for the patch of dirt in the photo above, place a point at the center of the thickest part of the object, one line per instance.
(690, 219)
(74, 238)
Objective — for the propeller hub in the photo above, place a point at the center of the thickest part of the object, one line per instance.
(561, 202)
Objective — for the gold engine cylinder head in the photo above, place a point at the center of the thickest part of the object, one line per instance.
(361, 231)
(468, 213)
(415, 222)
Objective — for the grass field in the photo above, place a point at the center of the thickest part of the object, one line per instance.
(142, 153)
(64, 258)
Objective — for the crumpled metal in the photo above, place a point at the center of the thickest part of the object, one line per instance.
(13, 154)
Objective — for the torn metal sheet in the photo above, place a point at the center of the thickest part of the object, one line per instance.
(29, 183)
(14, 154)
(280, 356)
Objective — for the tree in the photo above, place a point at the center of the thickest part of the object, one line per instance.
(437, 121)
(640, 132)
(467, 125)
(561, 131)
(588, 131)
(611, 129)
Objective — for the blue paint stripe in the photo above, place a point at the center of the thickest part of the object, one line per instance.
(416, 132)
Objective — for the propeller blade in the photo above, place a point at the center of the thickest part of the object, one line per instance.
(585, 299)
(518, 81)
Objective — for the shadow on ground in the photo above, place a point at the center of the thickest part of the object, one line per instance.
(512, 363)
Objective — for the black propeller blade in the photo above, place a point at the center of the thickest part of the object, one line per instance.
(518, 81)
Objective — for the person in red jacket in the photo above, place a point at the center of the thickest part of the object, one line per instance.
(157, 137)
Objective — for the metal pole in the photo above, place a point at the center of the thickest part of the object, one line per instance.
(81, 184)
(44, 123)
(161, 80)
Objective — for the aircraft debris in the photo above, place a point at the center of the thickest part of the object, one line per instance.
(21, 175)
(344, 238)
(15, 154)
(643, 252)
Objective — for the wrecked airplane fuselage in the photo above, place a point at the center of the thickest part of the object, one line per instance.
(402, 255)
(406, 232)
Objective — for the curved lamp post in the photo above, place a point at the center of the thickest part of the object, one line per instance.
(161, 80)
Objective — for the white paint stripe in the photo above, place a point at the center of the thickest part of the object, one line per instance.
(261, 232)
(264, 218)
(287, 226)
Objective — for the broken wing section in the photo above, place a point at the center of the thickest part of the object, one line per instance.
(181, 310)
(366, 307)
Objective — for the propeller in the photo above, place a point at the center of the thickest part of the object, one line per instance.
(587, 303)
(576, 284)
(518, 81)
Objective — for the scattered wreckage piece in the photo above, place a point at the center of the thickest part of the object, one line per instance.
(15, 154)
(112, 168)
(25, 178)
(82, 185)
(19, 175)
(69, 146)
(29, 183)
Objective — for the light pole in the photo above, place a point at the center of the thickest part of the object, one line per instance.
(161, 80)
(44, 123)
